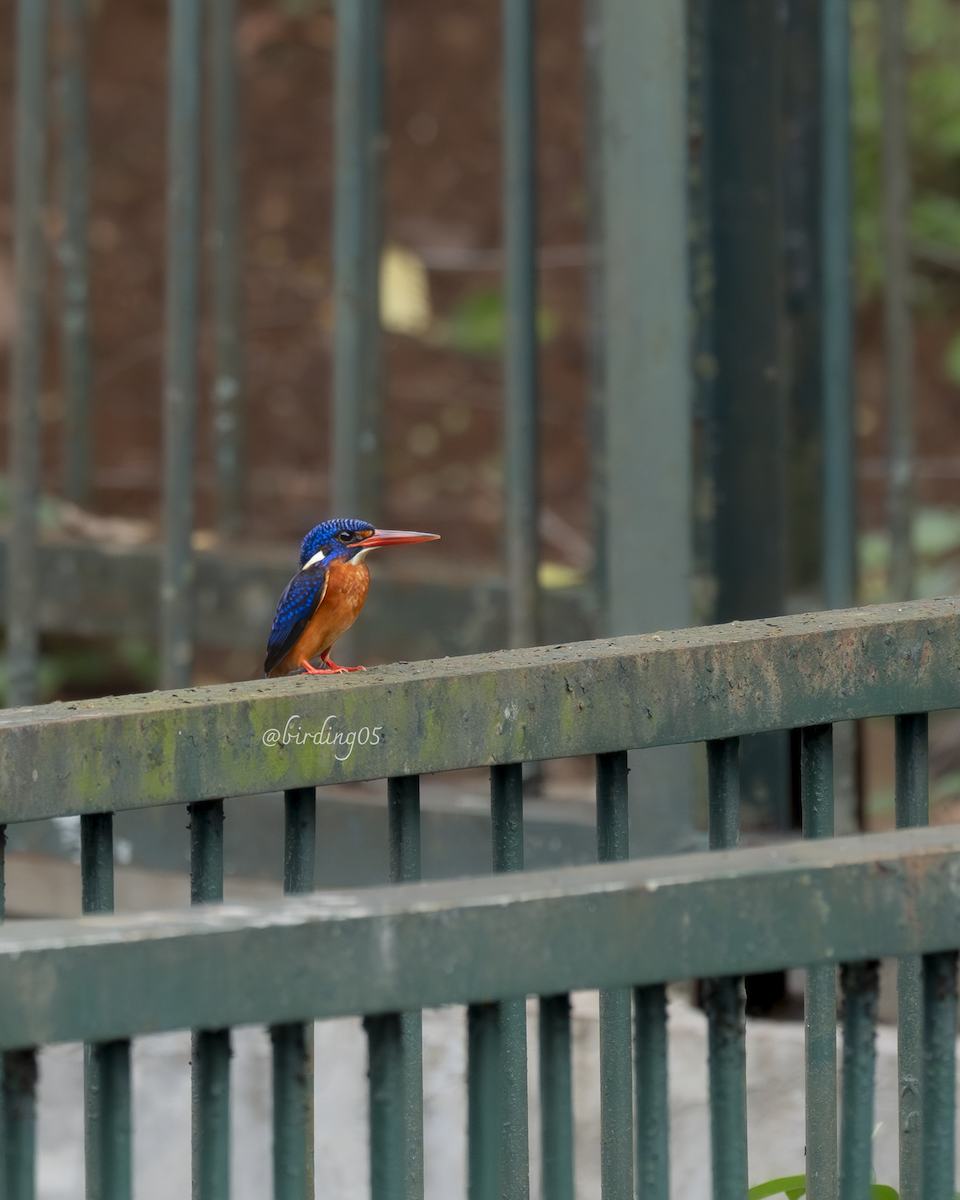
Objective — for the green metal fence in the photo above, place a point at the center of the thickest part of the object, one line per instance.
(627, 928)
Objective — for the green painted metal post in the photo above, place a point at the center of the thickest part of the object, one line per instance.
(652, 1102)
(912, 803)
(484, 1087)
(860, 988)
(106, 1066)
(800, 173)
(210, 1084)
(293, 1059)
(616, 1048)
(898, 323)
(403, 814)
(747, 479)
(357, 440)
(506, 810)
(940, 1075)
(556, 1099)
(724, 999)
(521, 407)
(637, 61)
(225, 262)
(743, 140)
(23, 647)
(20, 1121)
(836, 329)
(181, 334)
(74, 255)
(820, 998)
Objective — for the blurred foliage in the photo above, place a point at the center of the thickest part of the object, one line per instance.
(933, 33)
(477, 324)
(935, 538)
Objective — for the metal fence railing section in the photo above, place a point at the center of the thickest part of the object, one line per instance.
(624, 927)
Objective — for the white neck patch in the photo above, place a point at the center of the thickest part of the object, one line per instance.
(354, 561)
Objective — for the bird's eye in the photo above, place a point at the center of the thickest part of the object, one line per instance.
(344, 537)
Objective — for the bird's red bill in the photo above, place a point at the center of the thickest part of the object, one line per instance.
(396, 537)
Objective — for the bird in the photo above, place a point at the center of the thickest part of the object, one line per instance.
(325, 597)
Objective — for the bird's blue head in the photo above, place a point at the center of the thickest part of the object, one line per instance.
(346, 537)
(337, 538)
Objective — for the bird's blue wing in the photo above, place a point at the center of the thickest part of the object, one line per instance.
(300, 600)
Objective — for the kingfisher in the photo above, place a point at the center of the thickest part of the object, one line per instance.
(324, 598)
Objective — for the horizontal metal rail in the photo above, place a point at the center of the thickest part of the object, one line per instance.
(513, 706)
(408, 946)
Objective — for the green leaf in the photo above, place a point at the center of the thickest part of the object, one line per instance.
(793, 1185)
(951, 360)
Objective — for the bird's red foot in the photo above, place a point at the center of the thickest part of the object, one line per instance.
(320, 670)
(335, 668)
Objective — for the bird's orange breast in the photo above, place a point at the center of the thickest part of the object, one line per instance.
(347, 586)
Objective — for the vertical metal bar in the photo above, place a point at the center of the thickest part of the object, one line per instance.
(616, 1048)
(225, 264)
(106, 1066)
(506, 809)
(74, 255)
(639, 64)
(210, 1084)
(403, 810)
(484, 1100)
(653, 1107)
(816, 781)
(27, 363)
(723, 799)
(299, 840)
(388, 1167)
(20, 1112)
(17, 1146)
(898, 327)
(292, 1112)
(836, 327)
(940, 1075)
(724, 999)
(912, 795)
(912, 810)
(556, 1099)
(613, 810)
(596, 330)
(521, 434)
(498, 1154)
(96, 862)
(180, 360)
(293, 1065)
(206, 852)
(820, 999)
(357, 439)
(860, 983)
(749, 394)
